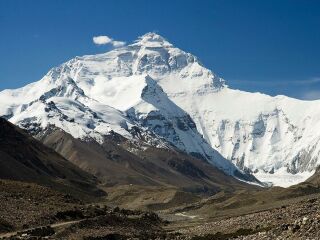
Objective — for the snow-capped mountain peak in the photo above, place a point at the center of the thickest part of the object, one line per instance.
(162, 89)
(151, 39)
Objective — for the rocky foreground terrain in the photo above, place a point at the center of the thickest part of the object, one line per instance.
(299, 220)
(25, 205)
(29, 211)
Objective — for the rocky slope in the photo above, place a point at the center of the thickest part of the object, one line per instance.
(119, 161)
(23, 158)
(298, 220)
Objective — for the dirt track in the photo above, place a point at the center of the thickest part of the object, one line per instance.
(55, 225)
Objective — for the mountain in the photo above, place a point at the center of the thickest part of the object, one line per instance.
(23, 158)
(176, 102)
(138, 102)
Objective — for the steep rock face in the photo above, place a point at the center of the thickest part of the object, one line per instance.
(153, 86)
(157, 113)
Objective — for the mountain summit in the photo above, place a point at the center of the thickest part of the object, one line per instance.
(152, 39)
(174, 101)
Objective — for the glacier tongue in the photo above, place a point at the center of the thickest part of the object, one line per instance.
(157, 87)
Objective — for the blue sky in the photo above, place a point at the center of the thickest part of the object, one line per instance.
(267, 46)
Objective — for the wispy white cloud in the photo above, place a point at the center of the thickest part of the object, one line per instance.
(118, 43)
(103, 40)
(307, 89)
(311, 95)
(274, 83)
